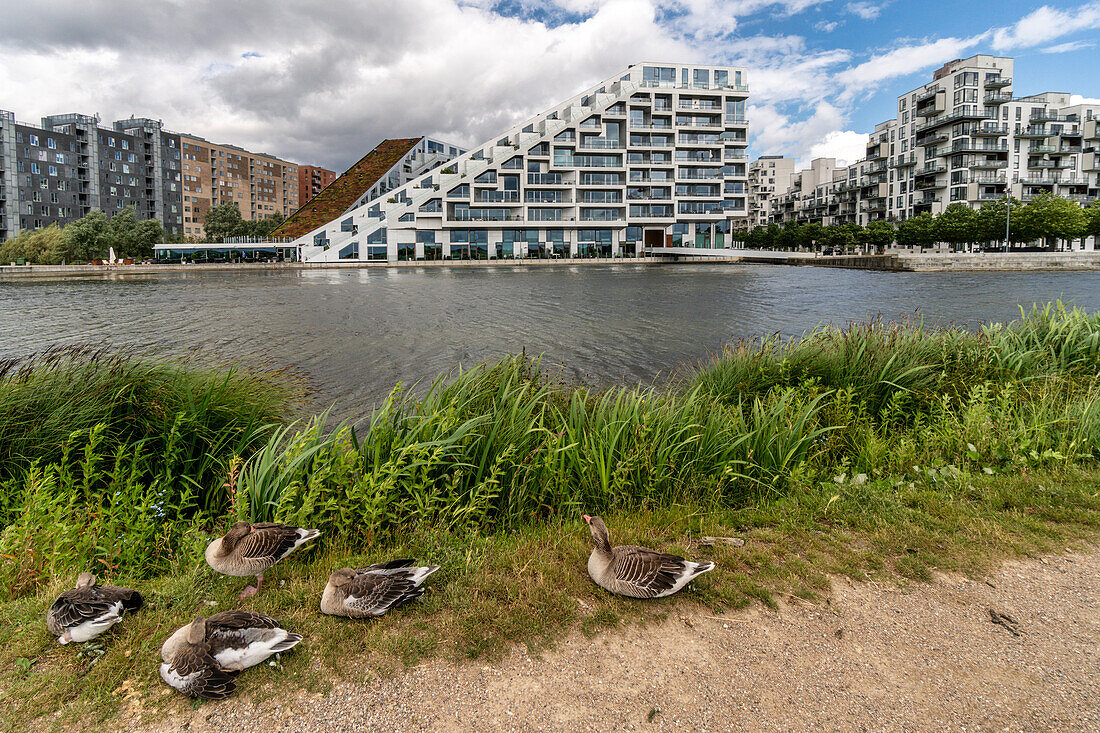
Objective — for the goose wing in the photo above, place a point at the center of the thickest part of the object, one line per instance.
(646, 571)
(196, 674)
(375, 593)
(80, 605)
(268, 541)
(237, 620)
(130, 598)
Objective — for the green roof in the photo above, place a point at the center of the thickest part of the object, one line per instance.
(336, 197)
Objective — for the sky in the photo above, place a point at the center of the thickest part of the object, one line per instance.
(323, 82)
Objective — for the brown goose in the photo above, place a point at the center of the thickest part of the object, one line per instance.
(250, 549)
(373, 590)
(193, 671)
(237, 639)
(637, 572)
(88, 610)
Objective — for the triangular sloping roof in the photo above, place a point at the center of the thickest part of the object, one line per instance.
(336, 197)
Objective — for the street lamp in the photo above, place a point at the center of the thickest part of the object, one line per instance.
(1008, 217)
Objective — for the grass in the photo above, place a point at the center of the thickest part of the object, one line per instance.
(880, 450)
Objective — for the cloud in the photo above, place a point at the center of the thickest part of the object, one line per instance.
(904, 61)
(1067, 47)
(1075, 99)
(826, 26)
(865, 10)
(1044, 25)
(847, 146)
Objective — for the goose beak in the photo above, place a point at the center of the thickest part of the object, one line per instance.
(587, 519)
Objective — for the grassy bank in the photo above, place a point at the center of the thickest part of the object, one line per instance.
(878, 449)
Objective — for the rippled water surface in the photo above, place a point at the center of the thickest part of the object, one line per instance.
(356, 333)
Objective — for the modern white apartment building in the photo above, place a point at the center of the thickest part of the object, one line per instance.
(768, 175)
(962, 137)
(654, 156)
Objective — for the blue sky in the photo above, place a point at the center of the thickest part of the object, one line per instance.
(323, 82)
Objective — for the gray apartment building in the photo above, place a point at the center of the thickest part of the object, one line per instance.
(59, 171)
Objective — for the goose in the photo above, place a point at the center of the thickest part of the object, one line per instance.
(637, 572)
(237, 639)
(193, 671)
(250, 549)
(373, 590)
(89, 609)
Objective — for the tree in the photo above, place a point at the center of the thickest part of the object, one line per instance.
(221, 221)
(45, 246)
(879, 235)
(790, 236)
(87, 237)
(810, 235)
(1093, 227)
(991, 222)
(1051, 218)
(957, 225)
(917, 231)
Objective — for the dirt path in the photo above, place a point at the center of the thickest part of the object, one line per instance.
(874, 657)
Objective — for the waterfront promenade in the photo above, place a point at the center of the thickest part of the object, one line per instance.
(891, 262)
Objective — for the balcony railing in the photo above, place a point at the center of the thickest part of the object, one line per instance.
(544, 179)
(597, 143)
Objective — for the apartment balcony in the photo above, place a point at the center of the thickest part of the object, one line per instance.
(700, 106)
(987, 196)
(876, 152)
(1000, 83)
(875, 168)
(989, 129)
(1090, 130)
(1070, 149)
(930, 169)
(929, 184)
(1051, 116)
(593, 143)
(904, 161)
(651, 126)
(735, 120)
(496, 197)
(1037, 180)
(973, 146)
(940, 137)
(998, 97)
(1033, 149)
(1034, 131)
(546, 179)
(928, 93)
(988, 180)
(988, 164)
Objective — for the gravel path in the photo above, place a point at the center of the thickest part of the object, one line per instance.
(873, 657)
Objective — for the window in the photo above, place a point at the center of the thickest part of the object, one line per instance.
(34, 139)
(51, 143)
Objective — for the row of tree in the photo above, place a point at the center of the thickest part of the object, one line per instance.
(84, 240)
(225, 220)
(1047, 219)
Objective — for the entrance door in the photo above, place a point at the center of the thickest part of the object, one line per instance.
(654, 237)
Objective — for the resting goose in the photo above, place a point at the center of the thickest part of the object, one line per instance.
(637, 572)
(88, 610)
(193, 671)
(250, 549)
(373, 590)
(237, 639)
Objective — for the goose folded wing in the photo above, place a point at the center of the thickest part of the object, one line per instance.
(649, 571)
(197, 674)
(237, 620)
(268, 541)
(371, 592)
(81, 606)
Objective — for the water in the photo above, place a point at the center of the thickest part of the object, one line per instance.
(357, 333)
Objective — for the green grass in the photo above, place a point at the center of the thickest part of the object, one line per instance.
(887, 450)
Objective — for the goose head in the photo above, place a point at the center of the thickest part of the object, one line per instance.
(235, 534)
(196, 632)
(86, 580)
(341, 577)
(599, 532)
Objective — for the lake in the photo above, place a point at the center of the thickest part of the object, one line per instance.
(357, 333)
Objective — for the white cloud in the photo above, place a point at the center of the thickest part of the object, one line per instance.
(904, 61)
(1067, 47)
(865, 10)
(826, 26)
(1045, 24)
(847, 146)
(1080, 99)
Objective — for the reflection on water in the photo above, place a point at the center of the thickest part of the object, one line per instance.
(356, 333)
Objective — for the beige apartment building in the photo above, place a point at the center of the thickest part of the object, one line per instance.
(261, 185)
(769, 175)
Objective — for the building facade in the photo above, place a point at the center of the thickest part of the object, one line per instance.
(62, 169)
(652, 157)
(768, 175)
(311, 181)
(261, 185)
(964, 137)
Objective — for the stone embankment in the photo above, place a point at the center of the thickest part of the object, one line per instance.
(950, 262)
